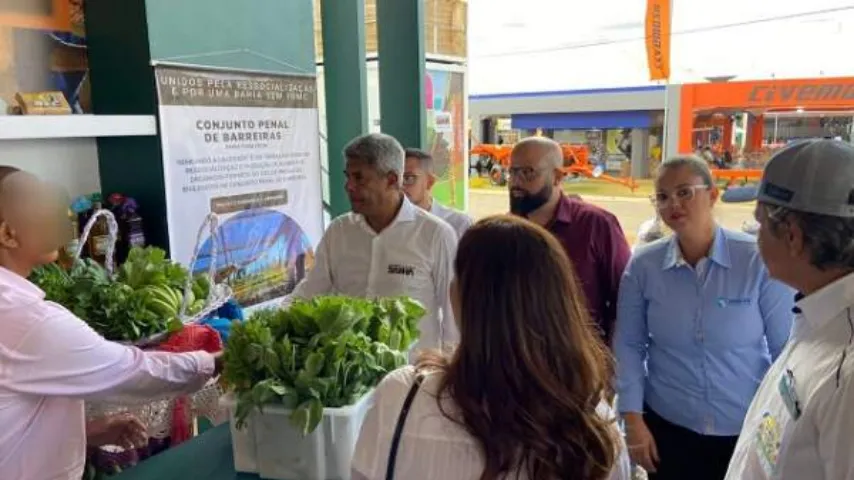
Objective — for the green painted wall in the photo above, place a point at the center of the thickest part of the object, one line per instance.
(269, 35)
(123, 84)
(124, 36)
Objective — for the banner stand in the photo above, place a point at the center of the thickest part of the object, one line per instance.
(244, 146)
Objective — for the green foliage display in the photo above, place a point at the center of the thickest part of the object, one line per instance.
(327, 352)
(143, 299)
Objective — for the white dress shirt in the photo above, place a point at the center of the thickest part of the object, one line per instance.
(50, 362)
(432, 447)
(456, 219)
(806, 434)
(412, 257)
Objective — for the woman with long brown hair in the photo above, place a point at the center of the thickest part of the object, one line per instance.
(523, 395)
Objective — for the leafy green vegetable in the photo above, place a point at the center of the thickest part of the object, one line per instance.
(54, 281)
(142, 300)
(149, 266)
(324, 352)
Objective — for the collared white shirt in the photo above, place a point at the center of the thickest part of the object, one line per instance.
(432, 447)
(413, 256)
(806, 434)
(456, 219)
(50, 362)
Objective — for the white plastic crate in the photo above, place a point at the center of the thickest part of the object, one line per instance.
(269, 446)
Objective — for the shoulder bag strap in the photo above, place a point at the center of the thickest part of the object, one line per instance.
(398, 429)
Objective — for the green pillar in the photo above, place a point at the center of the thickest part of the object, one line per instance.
(400, 31)
(125, 36)
(346, 87)
(123, 84)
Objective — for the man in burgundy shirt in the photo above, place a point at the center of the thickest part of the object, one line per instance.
(591, 236)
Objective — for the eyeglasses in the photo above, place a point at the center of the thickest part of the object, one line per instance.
(410, 178)
(682, 195)
(526, 174)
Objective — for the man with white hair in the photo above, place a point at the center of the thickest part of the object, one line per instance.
(386, 246)
(800, 423)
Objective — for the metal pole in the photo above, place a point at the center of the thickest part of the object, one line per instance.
(666, 122)
(776, 117)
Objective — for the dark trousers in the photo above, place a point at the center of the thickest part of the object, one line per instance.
(685, 454)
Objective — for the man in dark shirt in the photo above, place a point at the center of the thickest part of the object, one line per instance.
(591, 236)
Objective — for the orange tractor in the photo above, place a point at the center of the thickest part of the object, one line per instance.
(576, 162)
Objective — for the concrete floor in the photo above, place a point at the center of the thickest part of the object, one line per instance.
(632, 211)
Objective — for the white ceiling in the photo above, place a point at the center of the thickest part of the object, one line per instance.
(543, 45)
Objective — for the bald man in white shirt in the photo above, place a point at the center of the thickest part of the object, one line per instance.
(51, 362)
(419, 177)
(386, 246)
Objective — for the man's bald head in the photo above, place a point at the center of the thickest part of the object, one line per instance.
(534, 174)
(6, 170)
(17, 187)
(33, 221)
(7, 181)
(545, 150)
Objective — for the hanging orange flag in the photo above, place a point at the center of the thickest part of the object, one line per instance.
(658, 39)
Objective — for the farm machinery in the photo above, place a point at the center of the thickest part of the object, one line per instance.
(494, 161)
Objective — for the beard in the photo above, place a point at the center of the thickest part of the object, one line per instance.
(525, 204)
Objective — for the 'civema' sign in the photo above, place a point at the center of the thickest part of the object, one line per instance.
(801, 93)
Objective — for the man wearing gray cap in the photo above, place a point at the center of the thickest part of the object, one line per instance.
(801, 421)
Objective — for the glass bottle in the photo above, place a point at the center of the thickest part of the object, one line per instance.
(99, 235)
(67, 252)
(133, 222)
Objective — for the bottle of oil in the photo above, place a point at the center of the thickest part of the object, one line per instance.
(99, 236)
(67, 252)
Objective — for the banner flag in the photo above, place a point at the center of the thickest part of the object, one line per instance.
(658, 39)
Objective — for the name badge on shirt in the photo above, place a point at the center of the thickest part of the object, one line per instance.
(789, 394)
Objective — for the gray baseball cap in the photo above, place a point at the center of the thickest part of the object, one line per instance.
(813, 176)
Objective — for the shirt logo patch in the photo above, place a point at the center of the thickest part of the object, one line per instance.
(768, 443)
(405, 270)
(732, 302)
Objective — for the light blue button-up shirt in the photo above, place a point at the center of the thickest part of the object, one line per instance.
(694, 343)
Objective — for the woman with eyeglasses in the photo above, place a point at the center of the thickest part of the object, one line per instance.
(699, 322)
(522, 397)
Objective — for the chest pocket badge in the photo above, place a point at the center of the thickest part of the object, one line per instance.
(732, 302)
(789, 394)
